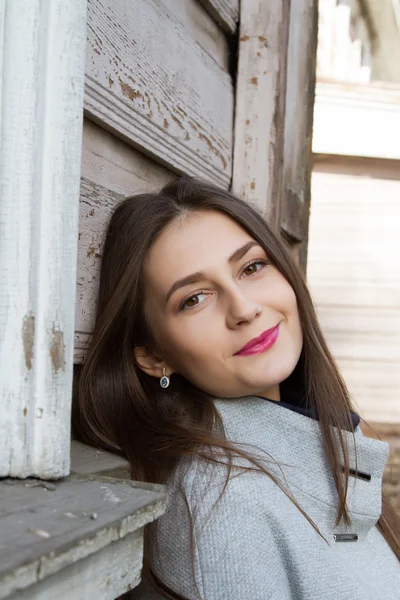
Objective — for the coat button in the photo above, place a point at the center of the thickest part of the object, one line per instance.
(358, 474)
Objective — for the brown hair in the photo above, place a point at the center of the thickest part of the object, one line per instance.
(119, 408)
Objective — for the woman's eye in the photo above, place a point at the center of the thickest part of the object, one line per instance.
(192, 301)
(195, 299)
(252, 267)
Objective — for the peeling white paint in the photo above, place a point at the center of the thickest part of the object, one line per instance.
(42, 46)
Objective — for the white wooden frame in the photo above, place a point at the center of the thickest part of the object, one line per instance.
(42, 81)
(260, 104)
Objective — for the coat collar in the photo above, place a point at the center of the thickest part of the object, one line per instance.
(295, 442)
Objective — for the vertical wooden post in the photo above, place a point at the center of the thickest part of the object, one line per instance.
(42, 45)
(274, 112)
(260, 104)
(300, 94)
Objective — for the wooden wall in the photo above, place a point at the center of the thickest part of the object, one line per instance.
(161, 83)
(111, 170)
(158, 102)
(157, 76)
(354, 275)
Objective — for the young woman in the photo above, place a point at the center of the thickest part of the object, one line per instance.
(208, 370)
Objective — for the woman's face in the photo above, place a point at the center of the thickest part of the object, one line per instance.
(209, 291)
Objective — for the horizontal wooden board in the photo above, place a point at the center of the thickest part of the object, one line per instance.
(381, 412)
(353, 344)
(112, 571)
(364, 320)
(111, 170)
(335, 292)
(44, 529)
(202, 29)
(358, 271)
(360, 372)
(86, 460)
(112, 164)
(225, 12)
(374, 389)
(342, 111)
(163, 93)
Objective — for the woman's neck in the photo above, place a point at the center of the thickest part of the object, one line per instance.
(271, 394)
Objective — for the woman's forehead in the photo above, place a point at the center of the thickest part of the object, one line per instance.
(197, 234)
(198, 242)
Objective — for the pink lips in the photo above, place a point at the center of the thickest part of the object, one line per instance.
(261, 343)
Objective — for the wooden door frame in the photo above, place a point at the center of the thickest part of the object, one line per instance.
(274, 113)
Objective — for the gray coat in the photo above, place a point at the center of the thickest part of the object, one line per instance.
(257, 545)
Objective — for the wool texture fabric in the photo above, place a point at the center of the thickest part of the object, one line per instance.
(255, 544)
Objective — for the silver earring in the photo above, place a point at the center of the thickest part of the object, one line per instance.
(164, 381)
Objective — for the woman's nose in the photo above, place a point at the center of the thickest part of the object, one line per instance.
(241, 309)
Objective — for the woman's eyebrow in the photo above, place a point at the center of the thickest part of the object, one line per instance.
(200, 275)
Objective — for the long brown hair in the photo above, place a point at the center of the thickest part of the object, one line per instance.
(119, 408)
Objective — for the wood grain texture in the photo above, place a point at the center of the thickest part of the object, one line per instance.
(40, 144)
(43, 531)
(260, 102)
(113, 570)
(225, 12)
(354, 276)
(300, 91)
(86, 460)
(111, 170)
(203, 30)
(151, 83)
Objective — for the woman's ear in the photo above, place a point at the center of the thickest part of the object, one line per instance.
(150, 363)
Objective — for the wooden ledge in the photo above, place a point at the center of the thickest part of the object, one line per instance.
(81, 537)
(86, 460)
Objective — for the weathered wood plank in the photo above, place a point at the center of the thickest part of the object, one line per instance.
(260, 104)
(300, 90)
(96, 206)
(86, 460)
(162, 93)
(42, 48)
(42, 531)
(112, 164)
(110, 572)
(202, 28)
(111, 170)
(225, 12)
